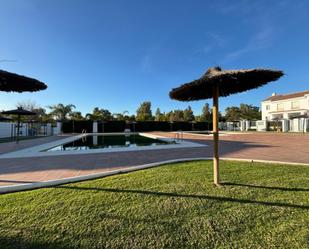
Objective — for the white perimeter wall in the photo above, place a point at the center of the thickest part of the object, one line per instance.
(5, 129)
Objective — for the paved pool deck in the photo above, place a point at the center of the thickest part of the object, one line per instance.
(256, 146)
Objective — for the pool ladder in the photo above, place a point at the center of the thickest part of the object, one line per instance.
(179, 136)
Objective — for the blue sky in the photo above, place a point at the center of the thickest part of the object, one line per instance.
(115, 54)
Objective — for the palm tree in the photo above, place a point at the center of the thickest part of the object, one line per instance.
(76, 116)
(99, 114)
(121, 116)
(61, 111)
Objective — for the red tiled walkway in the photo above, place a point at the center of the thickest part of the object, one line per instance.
(263, 146)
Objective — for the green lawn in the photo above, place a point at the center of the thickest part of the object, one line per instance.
(173, 206)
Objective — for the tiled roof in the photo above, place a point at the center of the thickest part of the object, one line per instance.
(287, 96)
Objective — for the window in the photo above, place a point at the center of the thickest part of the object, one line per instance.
(279, 107)
(295, 105)
(267, 107)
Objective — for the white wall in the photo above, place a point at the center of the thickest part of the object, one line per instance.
(23, 129)
(5, 129)
(95, 127)
(261, 125)
(57, 129)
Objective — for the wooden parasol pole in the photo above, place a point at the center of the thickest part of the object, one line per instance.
(216, 134)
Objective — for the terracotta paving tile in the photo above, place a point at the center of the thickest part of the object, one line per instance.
(12, 146)
(265, 146)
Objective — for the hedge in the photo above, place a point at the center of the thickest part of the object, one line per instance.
(111, 126)
(140, 126)
(71, 126)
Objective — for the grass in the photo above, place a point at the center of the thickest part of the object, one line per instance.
(173, 206)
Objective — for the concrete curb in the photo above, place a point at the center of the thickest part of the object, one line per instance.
(36, 185)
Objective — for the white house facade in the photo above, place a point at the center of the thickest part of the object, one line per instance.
(286, 106)
(291, 109)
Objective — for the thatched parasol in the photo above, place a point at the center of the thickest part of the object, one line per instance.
(19, 112)
(217, 82)
(3, 119)
(11, 82)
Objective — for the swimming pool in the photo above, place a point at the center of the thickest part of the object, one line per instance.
(90, 142)
(96, 143)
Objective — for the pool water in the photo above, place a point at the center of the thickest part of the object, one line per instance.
(109, 141)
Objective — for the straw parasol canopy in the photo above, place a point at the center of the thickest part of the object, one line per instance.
(228, 81)
(19, 112)
(11, 82)
(3, 119)
(217, 82)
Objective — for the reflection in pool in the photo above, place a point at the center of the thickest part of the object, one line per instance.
(110, 141)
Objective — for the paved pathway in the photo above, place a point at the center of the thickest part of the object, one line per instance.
(263, 146)
(13, 146)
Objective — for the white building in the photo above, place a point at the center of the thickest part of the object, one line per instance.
(287, 106)
(292, 110)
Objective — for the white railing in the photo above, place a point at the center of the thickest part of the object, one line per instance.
(178, 136)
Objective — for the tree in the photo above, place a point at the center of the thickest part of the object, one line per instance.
(76, 116)
(144, 113)
(206, 115)
(169, 116)
(158, 114)
(46, 117)
(40, 116)
(28, 105)
(165, 117)
(250, 112)
(188, 114)
(244, 111)
(124, 116)
(60, 111)
(232, 113)
(132, 118)
(99, 114)
(178, 115)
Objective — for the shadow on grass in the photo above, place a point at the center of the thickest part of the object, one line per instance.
(266, 187)
(204, 197)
